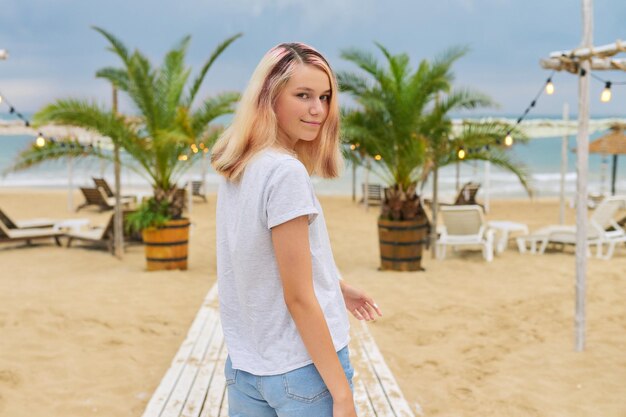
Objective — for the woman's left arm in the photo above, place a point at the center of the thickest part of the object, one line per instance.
(359, 303)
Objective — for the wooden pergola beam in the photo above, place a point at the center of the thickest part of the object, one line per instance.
(565, 63)
(592, 52)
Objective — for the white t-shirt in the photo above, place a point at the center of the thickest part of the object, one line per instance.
(260, 333)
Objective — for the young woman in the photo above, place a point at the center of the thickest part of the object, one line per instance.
(282, 301)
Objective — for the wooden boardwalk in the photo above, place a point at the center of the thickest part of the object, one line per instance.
(194, 385)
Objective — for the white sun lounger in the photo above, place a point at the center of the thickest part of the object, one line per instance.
(28, 235)
(465, 226)
(600, 220)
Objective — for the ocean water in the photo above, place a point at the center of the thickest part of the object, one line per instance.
(542, 157)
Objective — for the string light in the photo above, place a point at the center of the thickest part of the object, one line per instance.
(182, 157)
(378, 157)
(549, 87)
(41, 140)
(606, 94)
(353, 146)
(461, 153)
(605, 97)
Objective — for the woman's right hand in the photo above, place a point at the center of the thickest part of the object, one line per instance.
(344, 408)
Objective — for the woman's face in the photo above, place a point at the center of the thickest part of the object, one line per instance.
(302, 106)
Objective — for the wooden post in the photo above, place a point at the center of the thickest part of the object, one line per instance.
(613, 174)
(582, 146)
(70, 185)
(487, 186)
(189, 197)
(353, 181)
(118, 224)
(367, 184)
(435, 210)
(458, 177)
(564, 145)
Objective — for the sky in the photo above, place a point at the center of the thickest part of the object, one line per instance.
(54, 53)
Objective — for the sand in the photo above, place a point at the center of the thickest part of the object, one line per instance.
(85, 334)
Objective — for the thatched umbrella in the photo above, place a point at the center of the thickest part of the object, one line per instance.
(613, 143)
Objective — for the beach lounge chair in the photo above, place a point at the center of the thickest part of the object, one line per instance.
(466, 196)
(94, 234)
(374, 194)
(603, 229)
(24, 224)
(97, 197)
(101, 234)
(198, 189)
(465, 226)
(102, 183)
(28, 235)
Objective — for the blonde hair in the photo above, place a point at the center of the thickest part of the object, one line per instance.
(254, 126)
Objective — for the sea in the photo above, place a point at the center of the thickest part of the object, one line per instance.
(541, 156)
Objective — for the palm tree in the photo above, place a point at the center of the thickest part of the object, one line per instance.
(402, 123)
(166, 135)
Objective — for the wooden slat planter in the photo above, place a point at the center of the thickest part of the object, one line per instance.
(167, 246)
(401, 244)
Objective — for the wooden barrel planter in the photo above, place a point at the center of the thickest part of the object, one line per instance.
(401, 244)
(166, 247)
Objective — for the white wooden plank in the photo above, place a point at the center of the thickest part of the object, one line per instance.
(373, 388)
(362, 402)
(181, 391)
(195, 384)
(215, 395)
(389, 385)
(195, 400)
(167, 384)
(220, 385)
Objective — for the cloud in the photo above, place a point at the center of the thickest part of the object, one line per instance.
(320, 12)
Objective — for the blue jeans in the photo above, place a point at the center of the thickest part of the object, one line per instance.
(297, 393)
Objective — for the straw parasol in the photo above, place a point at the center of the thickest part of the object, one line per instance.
(613, 143)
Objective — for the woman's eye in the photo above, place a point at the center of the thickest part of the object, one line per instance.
(325, 97)
(303, 95)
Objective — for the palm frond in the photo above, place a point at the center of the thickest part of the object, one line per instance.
(213, 108)
(116, 45)
(116, 76)
(170, 82)
(195, 86)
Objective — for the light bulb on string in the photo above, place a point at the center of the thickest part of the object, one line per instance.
(605, 97)
(41, 141)
(353, 146)
(549, 87)
(508, 139)
(378, 157)
(461, 153)
(0, 99)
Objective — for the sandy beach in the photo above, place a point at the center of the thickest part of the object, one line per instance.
(85, 334)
